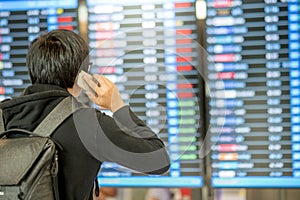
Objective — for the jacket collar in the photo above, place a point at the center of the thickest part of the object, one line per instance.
(37, 88)
(36, 92)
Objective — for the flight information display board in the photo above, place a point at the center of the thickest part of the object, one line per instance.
(21, 22)
(148, 49)
(254, 79)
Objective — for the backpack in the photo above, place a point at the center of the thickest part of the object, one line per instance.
(29, 160)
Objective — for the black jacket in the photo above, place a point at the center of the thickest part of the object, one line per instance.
(88, 138)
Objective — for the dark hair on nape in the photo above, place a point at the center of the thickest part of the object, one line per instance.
(56, 57)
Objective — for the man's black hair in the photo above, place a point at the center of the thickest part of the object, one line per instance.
(56, 57)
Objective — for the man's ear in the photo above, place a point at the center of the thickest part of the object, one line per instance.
(75, 90)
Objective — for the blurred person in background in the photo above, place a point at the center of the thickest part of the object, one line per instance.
(107, 193)
(158, 194)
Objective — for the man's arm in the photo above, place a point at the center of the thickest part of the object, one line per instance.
(125, 138)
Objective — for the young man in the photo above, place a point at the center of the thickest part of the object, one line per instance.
(88, 137)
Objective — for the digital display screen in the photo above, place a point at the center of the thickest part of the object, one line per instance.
(254, 77)
(148, 49)
(20, 23)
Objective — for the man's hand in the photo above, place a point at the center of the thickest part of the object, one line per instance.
(106, 93)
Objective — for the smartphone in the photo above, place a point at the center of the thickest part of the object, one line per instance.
(83, 84)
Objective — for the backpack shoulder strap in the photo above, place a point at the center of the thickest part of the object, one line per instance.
(2, 128)
(61, 112)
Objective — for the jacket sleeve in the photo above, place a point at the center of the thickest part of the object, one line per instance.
(126, 140)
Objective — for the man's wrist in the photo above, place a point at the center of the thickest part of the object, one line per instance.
(117, 105)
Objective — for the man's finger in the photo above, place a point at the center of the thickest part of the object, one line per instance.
(91, 96)
(97, 79)
(104, 81)
(92, 83)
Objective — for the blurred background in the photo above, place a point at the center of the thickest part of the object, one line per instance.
(217, 80)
